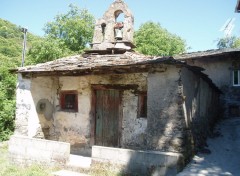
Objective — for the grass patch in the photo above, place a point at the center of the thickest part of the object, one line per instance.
(105, 169)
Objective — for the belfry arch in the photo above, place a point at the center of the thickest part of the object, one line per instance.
(115, 29)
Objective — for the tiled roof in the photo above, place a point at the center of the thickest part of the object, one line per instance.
(128, 62)
(208, 54)
(88, 62)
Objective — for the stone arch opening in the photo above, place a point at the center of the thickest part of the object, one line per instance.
(119, 24)
(119, 16)
(103, 25)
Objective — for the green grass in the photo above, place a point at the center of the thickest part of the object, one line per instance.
(6, 169)
(106, 169)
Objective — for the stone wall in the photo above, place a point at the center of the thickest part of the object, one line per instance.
(201, 109)
(181, 109)
(165, 117)
(139, 162)
(104, 39)
(23, 105)
(26, 151)
(72, 127)
(219, 71)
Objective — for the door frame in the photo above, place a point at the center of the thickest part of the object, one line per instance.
(95, 88)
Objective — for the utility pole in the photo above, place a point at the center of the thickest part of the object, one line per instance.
(24, 30)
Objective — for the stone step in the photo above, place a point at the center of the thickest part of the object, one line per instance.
(77, 161)
(67, 173)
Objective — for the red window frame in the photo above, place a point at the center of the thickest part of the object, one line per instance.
(66, 96)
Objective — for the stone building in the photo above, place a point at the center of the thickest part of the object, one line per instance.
(114, 97)
(222, 67)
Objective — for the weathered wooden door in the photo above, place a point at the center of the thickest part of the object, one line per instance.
(107, 118)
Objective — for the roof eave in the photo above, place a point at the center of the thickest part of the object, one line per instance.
(237, 9)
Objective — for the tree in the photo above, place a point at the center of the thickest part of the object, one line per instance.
(11, 39)
(46, 49)
(152, 39)
(7, 97)
(10, 56)
(68, 34)
(229, 42)
(75, 28)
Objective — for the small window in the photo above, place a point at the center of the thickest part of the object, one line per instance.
(236, 77)
(69, 101)
(142, 105)
(103, 25)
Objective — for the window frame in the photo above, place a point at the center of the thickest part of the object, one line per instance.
(142, 99)
(238, 77)
(63, 95)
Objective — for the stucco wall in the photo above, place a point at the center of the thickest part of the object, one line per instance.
(180, 108)
(217, 69)
(201, 107)
(25, 108)
(165, 119)
(71, 127)
(220, 71)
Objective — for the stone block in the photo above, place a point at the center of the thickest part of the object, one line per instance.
(140, 162)
(124, 156)
(27, 151)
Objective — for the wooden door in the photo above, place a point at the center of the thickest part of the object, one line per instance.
(107, 118)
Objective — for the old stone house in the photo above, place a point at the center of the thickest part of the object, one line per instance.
(222, 67)
(114, 97)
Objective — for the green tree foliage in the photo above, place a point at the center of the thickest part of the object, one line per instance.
(11, 38)
(229, 42)
(46, 49)
(75, 28)
(152, 39)
(68, 34)
(10, 50)
(7, 97)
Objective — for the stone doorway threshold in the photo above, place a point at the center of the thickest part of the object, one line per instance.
(79, 161)
(75, 163)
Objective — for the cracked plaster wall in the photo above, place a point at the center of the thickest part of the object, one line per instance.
(220, 71)
(75, 127)
(173, 108)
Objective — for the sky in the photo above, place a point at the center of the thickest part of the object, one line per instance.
(197, 22)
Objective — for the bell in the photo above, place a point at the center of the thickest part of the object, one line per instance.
(118, 33)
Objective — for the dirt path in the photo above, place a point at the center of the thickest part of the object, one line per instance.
(224, 158)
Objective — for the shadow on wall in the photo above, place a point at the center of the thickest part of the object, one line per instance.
(179, 120)
(166, 133)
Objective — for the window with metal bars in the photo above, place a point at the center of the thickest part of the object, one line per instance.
(69, 101)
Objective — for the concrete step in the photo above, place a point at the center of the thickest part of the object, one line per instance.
(77, 161)
(67, 173)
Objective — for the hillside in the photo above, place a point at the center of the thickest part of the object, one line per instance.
(11, 38)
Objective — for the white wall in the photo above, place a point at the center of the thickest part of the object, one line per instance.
(71, 127)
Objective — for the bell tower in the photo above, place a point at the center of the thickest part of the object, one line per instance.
(112, 35)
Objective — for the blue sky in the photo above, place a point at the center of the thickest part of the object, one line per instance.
(198, 22)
